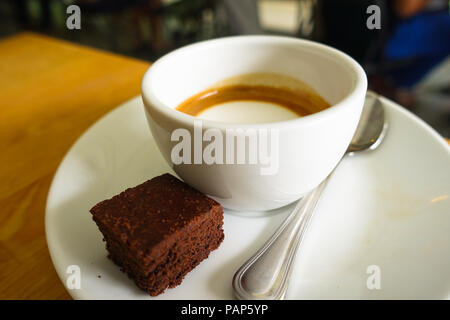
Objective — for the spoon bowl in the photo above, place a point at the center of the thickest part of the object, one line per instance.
(371, 127)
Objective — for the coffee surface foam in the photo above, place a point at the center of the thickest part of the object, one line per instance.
(255, 98)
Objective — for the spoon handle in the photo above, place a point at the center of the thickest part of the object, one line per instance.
(265, 275)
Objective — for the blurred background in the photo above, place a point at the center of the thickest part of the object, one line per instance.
(407, 59)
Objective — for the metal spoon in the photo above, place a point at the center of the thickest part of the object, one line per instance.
(265, 275)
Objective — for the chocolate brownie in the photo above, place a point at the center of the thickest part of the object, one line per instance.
(159, 231)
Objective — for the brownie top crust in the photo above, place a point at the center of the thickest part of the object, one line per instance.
(151, 212)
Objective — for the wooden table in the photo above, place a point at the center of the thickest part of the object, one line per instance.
(51, 91)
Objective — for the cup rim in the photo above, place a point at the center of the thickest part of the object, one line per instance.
(318, 48)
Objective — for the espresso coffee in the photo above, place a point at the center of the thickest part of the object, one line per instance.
(255, 98)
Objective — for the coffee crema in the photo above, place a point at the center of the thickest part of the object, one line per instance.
(255, 97)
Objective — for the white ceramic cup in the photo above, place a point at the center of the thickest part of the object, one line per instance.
(309, 147)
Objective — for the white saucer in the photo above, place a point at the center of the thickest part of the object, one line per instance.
(389, 208)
